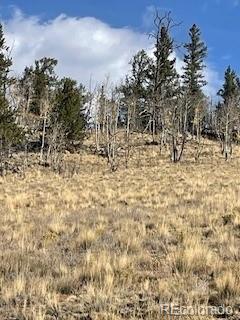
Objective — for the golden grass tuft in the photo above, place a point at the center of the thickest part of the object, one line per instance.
(194, 257)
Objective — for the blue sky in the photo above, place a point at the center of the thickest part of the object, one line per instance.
(218, 19)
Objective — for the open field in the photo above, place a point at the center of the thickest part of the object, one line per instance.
(102, 245)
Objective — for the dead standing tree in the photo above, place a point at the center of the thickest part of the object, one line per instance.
(112, 131)
(106, 125)
(227, 119)
(130, 124)
(100, 117)
(201, 107)
(23, 93)
(44, 116)
(176, 126)
(56, 146)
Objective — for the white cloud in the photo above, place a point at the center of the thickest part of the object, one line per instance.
(85, 47)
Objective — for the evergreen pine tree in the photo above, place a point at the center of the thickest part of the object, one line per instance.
(69, 109)
(227, 111)
(137, 88)
(165, 82)
(231, 85)
(141, 73)
(5, 63)
(43, 79)
(165, 72)
(193, 77)
(9, 132)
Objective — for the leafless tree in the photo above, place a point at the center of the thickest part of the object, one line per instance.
(112, 131)
(45, 108)
(56, 146)
(201, 108)
(130, 124)
(227, 120)
(106, 124)
(176, 126)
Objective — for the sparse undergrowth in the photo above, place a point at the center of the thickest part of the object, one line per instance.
(103, 245)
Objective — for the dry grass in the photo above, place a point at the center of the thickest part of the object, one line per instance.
(103, 245)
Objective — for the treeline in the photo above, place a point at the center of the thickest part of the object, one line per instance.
(39, 112)
(44, 114)
(170, 105)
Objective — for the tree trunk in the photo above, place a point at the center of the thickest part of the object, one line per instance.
(43, 137)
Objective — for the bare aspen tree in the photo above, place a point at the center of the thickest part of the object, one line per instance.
(112, 131)
(130, 124)
(44, 116)
(176, 126)
(100, 116)
(172, 125)
(56, 145)
(226, 122)
(201, 106)
(97, 134)
(17, 102)
(23, 94)
(92, 113)
(107, 112)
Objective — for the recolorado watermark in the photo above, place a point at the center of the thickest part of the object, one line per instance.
(200, 310)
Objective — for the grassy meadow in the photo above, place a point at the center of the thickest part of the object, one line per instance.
(114, 245)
